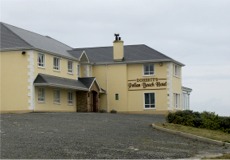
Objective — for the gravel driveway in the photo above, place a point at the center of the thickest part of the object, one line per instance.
(92, 135)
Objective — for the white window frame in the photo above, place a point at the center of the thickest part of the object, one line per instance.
(151, 105)
(56, 63)
(70, 98)
(148, 72)
(41, 95)
(42, 63)
(70, 69)
(57, 96)
(176, 70)
(177, 102)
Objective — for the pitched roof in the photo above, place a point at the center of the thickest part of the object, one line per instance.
(14, 38)
(54, 81)
(132, 54)
(87, 81)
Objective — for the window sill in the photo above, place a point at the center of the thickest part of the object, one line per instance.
(177, 76)
(70, 73)
(150, 108)
(41, 67)
(57, 103)
(148, 75)
(70, 104)
(55, 70)
(41, 102)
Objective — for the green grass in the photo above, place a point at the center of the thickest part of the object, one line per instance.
(212, 134)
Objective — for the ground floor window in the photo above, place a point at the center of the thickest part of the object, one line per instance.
(57, 96)
(70, 98)
(149, 100)
(176, 100)
(41, 95)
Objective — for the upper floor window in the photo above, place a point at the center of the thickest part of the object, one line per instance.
(149, 100)
(176, 70)
(41, 60)
(148, 69)
(56, 63)
(70, 66)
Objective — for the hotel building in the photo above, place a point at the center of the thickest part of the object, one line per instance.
(41, 74)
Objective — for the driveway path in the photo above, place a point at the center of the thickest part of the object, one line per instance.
(92, 135)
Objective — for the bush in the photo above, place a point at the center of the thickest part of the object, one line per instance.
(113, 111)
(208, 120)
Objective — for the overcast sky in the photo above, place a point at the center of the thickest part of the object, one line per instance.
(194, 32)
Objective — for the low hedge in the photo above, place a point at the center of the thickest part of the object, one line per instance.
(208, 120)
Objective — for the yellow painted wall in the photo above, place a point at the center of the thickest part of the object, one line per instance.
(48, 69)
(14, 81)
(118, 50)
(136, 98)
(117, 84)
(177, 88)
(114, 79)
(50, 106)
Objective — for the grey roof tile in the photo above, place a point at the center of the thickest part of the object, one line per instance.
(32, 39)
(11, 40)
(87, 81)
(48, 80)
(132, 53)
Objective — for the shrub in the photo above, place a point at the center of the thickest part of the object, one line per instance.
(208, 120)
(113, 111)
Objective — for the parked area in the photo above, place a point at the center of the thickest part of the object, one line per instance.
(93, 135)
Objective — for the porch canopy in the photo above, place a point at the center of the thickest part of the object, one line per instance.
(59, 82)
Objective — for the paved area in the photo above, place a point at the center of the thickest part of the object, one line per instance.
(93, 135)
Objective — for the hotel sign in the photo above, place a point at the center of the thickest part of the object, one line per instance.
(147, 84)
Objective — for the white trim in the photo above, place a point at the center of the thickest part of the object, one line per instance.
(59, 67)
(144, 101)
(31, 79)
(169, 86)
(44, 59)
(143, 70)
(68, 66)
(84, 53)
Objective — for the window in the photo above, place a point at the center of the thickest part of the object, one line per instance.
(176, 70)
(56, 63)
(41, 95)
(148, 69)
(70, 98)
(56, 96)
(41, 60)
(149, 100)
(116, 96)
(70, 66)
(176, 100)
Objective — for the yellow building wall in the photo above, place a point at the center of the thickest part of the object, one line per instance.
(50, 106)
(14, 82)
(177, 88)
(100, 72)
(117, 84)
(136, 97)
(48, 69)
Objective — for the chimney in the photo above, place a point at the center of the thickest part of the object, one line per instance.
(118, 48)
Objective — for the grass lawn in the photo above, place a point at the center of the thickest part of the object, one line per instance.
(212, 134)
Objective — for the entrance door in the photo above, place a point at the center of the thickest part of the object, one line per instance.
(94, 109)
